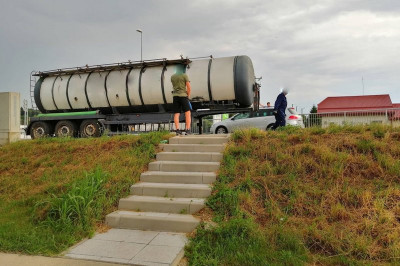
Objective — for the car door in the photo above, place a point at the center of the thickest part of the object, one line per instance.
(240, 121)
(262, 118)
(259, 119)
(269, 116)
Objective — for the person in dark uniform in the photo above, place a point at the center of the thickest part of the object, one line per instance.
(280, 108)
(181, 93)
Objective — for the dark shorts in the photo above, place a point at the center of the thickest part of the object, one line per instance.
(181, 104)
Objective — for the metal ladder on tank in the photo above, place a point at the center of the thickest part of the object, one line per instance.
(32, 90)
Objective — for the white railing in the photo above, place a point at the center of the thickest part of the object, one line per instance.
(355, 117)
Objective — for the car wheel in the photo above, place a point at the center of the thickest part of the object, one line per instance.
(269, 127)
(66, 128)
(221, 130)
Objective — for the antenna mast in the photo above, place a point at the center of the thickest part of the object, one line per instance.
(362, 80)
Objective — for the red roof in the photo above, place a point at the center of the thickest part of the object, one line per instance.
(396, 115)
(350, 103)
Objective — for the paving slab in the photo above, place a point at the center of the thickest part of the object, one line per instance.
(108, 248)
(7, 259)
(158, 254)
(135, 247)
(127, 235)
(169, 239)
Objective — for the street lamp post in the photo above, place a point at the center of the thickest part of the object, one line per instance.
(141, 44)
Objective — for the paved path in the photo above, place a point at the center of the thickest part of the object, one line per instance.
(24, 260)
(135, 247)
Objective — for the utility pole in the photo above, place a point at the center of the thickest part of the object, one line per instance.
(25, 107)
(141, 44)
(362, 80)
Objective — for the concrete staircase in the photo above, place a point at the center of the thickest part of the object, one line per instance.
(174, 188)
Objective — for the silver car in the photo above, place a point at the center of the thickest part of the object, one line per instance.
(262, 119)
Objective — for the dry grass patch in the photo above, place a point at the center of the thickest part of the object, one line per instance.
(335, 189)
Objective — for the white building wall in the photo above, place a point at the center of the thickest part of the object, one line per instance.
(354, 120)
(10, 116)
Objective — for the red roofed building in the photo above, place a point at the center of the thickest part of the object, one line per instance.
(396, 115)
(364, 109)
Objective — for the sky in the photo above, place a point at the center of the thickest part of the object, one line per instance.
(315, 48)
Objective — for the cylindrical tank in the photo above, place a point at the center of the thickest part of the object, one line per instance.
(147, 89)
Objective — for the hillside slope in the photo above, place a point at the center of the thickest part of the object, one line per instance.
(54, 192)
(304, 196)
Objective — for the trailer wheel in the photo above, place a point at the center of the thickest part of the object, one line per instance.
(66, 128)
(90, 128)
(40, 130)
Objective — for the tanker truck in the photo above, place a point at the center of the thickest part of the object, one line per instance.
(85, 101)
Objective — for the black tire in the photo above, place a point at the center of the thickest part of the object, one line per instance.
(40, 130)
(66, 128)
(90, 128)
(221, 130)
(269, 127)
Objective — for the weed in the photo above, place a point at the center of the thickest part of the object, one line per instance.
(241, 242)
(79, 206)
(365, 146)
(224, 202)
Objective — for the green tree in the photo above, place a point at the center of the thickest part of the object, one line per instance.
(313, 119)
(31, 113)
(314, 109)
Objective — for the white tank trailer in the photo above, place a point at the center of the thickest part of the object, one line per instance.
(83, 101)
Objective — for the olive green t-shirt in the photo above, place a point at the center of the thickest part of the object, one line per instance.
(179, 84)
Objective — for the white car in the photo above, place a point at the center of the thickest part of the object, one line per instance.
(262, 119)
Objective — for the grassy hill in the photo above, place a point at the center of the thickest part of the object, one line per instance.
(54, 192)
(305, 196)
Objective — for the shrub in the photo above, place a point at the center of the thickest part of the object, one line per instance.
(79, 207)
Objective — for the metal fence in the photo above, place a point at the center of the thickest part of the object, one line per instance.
(355, 117)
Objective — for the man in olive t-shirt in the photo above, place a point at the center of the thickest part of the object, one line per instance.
(181, 93)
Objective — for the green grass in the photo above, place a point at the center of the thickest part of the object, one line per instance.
(54, 192)
(296, 196)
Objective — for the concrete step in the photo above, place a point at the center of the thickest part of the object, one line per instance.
(176, 166)
(198, 140)
(193, 147)
(210, 135)
(172, 190)
(168, 222)
(190, 156)
(161, 204)
(178, 177)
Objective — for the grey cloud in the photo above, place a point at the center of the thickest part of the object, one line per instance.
(318, 48)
